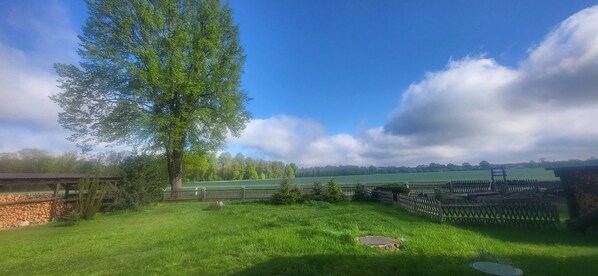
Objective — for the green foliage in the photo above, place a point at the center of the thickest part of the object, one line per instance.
(333, 192)
(90, 197)
(71, 218)
(395, 188)
(361, 193)
(286, 194)
(144, 179)
(317, 192)
(158, 75)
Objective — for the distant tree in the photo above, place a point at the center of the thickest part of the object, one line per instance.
(277, 169)
(484, 165)
(289, 172)
(159, 75)
(452, 167)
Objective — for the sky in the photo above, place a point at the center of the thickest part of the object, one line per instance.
(357, 82)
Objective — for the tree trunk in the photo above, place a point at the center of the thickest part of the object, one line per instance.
(174, 157)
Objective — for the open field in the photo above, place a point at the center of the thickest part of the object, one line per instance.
(538, 174)
(253, 238)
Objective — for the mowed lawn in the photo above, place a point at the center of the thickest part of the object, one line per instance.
(249, 238)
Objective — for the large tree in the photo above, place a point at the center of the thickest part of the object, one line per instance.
(161, 75)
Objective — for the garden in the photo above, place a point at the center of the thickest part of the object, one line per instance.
(309, 238)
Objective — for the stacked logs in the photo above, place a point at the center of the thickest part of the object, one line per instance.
(15, 214)
(586, 201)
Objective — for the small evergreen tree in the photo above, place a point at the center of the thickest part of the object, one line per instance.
(317, 192)
(361, 193)
(333, 192)
(286, 194)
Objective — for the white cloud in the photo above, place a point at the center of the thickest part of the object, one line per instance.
(28, 118)
(472, 110)
(25, 90)
(297, 140)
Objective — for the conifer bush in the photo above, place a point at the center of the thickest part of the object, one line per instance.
(333, 192)
(286, 194)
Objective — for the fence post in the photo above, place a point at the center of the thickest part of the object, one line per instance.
(451, 187)
(243, 193)
(203, 194)
(415, 206)
(196, 191)
(439, 210)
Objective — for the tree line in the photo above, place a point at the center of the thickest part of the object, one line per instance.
(435, 167)
(196, 166)
(224, 166)
(209, 167)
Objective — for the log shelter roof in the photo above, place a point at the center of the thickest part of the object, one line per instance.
(10, 182)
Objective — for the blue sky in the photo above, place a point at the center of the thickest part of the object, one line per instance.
(361, 82)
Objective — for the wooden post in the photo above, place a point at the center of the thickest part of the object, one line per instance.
(203, 194)
(439, 210)
(66, 191)
(55, 201)
(243, 193)
(450, 187)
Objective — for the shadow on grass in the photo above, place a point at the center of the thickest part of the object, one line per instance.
(402, 264)
(548, 237)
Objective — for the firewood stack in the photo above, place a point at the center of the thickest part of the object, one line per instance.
(586, 193)
(23, 214)
(586, 201)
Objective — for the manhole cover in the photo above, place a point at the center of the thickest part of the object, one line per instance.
(497, 269)
(380, 242)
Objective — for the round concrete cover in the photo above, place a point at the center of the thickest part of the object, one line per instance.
(497, 269)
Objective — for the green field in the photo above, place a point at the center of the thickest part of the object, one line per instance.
(253, 238)
(538, 174)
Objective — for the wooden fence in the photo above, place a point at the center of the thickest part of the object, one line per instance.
(384, 196)
(476, 186)
(238, 193)
(520, 213)
(421, 205)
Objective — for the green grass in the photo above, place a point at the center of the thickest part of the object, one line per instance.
(260, 239)
(538, 174)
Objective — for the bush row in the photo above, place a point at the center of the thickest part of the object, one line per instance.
(331, 192)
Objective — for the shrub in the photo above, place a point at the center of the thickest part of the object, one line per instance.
(361, 193)
(317, 192)
(91, 196)
(143, 182)
(395, 188)
(286, 194)
(333, 192)
(71, 218)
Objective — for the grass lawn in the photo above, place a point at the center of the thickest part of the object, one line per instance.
(248, 238)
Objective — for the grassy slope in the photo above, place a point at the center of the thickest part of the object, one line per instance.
(539, 174)
(260, 239)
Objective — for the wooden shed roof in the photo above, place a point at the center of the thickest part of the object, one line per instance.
(12, 181)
